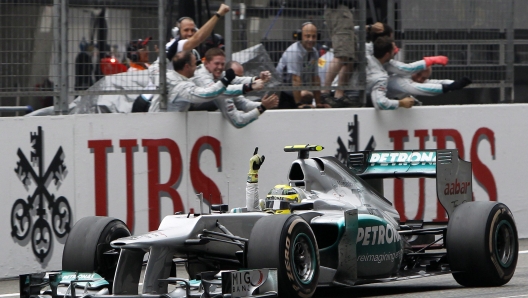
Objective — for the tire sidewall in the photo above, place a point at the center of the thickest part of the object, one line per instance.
(107, 264)
(472, 244)
(296, 227)
(499, 214)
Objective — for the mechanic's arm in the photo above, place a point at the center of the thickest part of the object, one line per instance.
(244, 80)
(407, 86)
(397, 67)
(433, 81)
(405, 69)
(206, 30)
(245, 104)
(198, 94)
(379, 97)
(240, 89)
(236, 117)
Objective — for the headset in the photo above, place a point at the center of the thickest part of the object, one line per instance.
(178, 22)
(297, 34)
(176, 29)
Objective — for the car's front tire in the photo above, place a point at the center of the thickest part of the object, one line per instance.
(287, 243)
(482, 244)
(89, 239)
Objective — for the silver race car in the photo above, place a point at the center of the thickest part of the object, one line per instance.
(332, 227)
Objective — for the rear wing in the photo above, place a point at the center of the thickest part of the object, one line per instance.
(453, 175)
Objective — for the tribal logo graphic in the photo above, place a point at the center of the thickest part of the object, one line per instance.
(41, 202)
(353, 142)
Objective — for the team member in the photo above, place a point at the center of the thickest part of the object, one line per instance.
(419, 84)
(188, 37)
(381, 63)
(138, 54)
(212, 70)
(182, 90)
(298, 67)
(340, 21)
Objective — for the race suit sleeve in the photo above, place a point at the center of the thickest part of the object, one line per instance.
(252, 196)
(196, 94)
(400, 68)
(245, 104)
(399, 87)
(447, 82)
(237, 118)
(242, 80)
(203, 79)
(379, 97)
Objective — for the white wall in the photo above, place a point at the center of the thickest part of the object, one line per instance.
(482, 129)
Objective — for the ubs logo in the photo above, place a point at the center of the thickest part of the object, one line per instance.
(40, 212)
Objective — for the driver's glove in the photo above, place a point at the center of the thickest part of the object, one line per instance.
(254, 165)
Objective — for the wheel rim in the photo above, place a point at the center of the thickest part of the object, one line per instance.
(504, 243)
(303, 258)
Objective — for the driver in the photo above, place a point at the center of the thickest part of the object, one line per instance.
(279, 197)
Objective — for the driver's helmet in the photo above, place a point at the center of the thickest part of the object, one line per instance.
(279, 198)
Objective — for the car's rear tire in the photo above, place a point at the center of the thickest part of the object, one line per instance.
(87, 242)
(482, 244)
(287, 243)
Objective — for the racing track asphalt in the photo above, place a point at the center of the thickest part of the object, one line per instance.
(443, 286)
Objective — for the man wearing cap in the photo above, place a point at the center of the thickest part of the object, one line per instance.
(137, 54)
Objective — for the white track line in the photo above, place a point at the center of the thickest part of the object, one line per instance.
(514, 296)
(10, 295)
(523, 252)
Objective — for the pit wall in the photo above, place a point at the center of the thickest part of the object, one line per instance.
(141, 167)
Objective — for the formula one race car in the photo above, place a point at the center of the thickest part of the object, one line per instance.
(343, 232)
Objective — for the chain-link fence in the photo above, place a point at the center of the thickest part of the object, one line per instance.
(300, 63)
(55, 51)
(65, 49)
(476, 35)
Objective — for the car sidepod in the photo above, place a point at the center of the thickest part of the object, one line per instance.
(379, 247)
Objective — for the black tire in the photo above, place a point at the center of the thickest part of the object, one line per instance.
(482, 244)
(89, 238)
(286, 242)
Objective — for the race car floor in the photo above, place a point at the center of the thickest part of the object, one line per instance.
(443, 286)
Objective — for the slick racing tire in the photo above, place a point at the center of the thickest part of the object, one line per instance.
(482, 244)
(87, 243)
(287, 243)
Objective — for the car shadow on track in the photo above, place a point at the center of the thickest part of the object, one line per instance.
(376, 290)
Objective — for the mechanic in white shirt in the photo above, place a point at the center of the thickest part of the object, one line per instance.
(212, 70)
